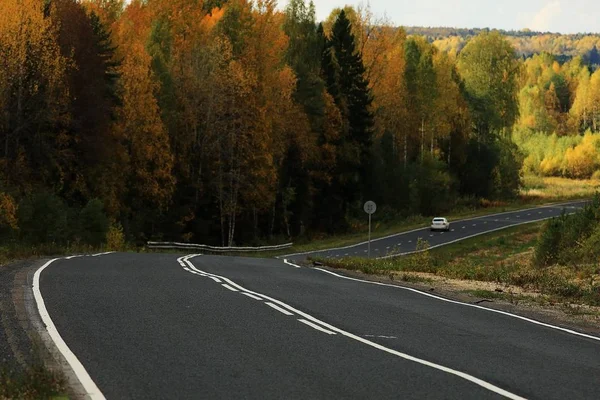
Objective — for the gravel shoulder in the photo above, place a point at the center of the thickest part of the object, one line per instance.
(16, 346)
(510, 299)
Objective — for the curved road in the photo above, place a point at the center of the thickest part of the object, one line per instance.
(406, 242)
(156, 326)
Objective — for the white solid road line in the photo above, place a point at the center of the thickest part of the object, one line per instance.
(548, 206)
(465, 238)
(292, 264)
(226, 286)
(570, 331)
(92, 391)
(276, 307)
(381, 336)
(103, 254)
(332, 328)
(215, 279)
(252, 296)
(317, 327)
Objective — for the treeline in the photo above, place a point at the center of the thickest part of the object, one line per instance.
(526, 43)
(230, 122)
(559, 124)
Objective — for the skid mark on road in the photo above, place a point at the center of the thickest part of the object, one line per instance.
(324, 327)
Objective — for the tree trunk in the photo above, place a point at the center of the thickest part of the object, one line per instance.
(450, 151)
(272, 228)
(422, 138)
(255, 222)
(405, 151)
(432, 140)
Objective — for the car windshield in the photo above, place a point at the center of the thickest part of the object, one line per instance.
(438, 220)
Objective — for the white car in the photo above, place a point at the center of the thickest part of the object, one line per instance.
(440, 224)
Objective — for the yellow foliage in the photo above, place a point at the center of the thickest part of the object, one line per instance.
(583, 160)
(8, 211)
(115, 238)
(550, 166)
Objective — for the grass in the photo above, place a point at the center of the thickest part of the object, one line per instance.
(15, 251)
(486, 294)
(536, 191)
(557, 189)
(33, 384)
(502, 257)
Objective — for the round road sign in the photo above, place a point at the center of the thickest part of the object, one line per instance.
(370, 207)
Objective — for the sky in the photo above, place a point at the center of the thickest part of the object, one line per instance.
(564, 16)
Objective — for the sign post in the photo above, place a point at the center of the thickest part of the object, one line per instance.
(370, 208)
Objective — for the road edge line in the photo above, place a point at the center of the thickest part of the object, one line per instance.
(56, 345)
(506, 313)
(427, 229)
(290, 263)
(463, 239)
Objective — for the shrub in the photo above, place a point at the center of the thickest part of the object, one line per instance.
(43, 219)
(93, 223)
(421, 261)
(432, 188)
(8, 213)
(115, 239)
(507, 172)
(583, 160)
(570, 239)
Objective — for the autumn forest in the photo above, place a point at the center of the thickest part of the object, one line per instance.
(231, 122)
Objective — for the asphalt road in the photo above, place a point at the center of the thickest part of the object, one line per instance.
(155, 326)
(404, 243)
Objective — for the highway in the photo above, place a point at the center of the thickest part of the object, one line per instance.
(156, 326)
(406, 242)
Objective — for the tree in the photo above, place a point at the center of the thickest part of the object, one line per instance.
(32, 92)
(109, 11)
(303, 55)
(582, 106)
(489, 68)
(87, 146)
(345, 79)
(150, 182)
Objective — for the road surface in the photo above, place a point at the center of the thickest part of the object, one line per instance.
(404, 243)
(156, 326)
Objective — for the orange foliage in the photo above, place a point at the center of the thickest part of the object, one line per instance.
(140, 125)
(8, 211)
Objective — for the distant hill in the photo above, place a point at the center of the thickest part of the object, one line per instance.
(526, 42)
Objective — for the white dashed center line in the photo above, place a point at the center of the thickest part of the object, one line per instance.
(317, 327)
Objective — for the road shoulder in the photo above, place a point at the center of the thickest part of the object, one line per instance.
(553, 314)
(27, 343)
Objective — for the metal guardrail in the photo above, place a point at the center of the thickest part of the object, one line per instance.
(213, 249)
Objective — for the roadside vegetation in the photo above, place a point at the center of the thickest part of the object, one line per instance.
(558, 260)
(535, 191)
(175, 120)
(36, 383)
(42, 224)
(146, 121)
